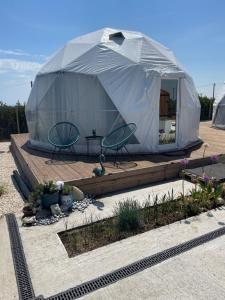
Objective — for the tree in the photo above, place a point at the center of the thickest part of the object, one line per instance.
(206, 107)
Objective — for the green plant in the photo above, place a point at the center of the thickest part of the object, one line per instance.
(147, 210)
(206, 107)
(167, 139)
(49, 187)
(155, 209)
(2, 189)
(168, 204)
(41, 189)
(211, 189)
(67, 189)
(191, 208)
(128, 215)
(8, 119)
(208, 193)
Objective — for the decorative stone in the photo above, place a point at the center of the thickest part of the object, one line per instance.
(78, 195)
(29, 220)
(47, 217)
(36, 209)
(220, 200)
(28, 211)
(67, 202)
(55, 209)
(59, 184)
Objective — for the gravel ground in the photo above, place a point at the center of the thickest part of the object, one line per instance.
(11, 201)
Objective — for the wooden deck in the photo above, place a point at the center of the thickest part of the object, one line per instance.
(37, 167)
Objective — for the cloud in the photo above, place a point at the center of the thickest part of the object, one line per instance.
(19, 52)
(17, 69)
(16, 52)
(19, 65)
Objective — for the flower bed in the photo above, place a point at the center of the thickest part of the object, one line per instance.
(131, 219)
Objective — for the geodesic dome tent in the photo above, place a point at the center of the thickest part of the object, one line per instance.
(218, 119)
(111, 77)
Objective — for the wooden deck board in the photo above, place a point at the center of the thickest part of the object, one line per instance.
(143, 169)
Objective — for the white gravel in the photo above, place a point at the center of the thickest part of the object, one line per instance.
(11, 201)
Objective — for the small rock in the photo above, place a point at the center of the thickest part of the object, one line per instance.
(29, 220)
(220, 200)
(59, 184)
(36, 209)
(55, 209)
(78, 195)
(27, 211)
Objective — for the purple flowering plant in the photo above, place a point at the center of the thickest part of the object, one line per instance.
(184, 162)
(206, 178)
(214, 158)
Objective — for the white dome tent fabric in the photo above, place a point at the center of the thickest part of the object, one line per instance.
(110, 77)
(218, 119)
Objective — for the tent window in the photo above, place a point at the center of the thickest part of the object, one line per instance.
(117, 38)
(116, 35)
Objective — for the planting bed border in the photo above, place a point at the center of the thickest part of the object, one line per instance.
(24, 283)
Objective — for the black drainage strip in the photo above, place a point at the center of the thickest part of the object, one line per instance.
(25, 288)
(107, 279)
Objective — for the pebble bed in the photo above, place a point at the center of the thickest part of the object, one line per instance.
(77, 205)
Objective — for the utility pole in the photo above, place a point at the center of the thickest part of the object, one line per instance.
(17, 116)
(211, 102)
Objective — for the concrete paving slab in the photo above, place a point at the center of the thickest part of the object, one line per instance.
(197, 274)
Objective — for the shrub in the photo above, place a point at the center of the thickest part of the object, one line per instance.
(191, 208)
(206, 107)
(148, 212)
(168, 204)
(128, 215)
(48, 187)
(8, 122)
(2, 189)
(67, 190)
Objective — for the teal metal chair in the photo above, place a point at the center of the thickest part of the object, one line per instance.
(63, 135)
(118, 138)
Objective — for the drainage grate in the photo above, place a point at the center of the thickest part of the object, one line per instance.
(24, 284)
(102, 281)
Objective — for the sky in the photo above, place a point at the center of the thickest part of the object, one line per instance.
(30, 31)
